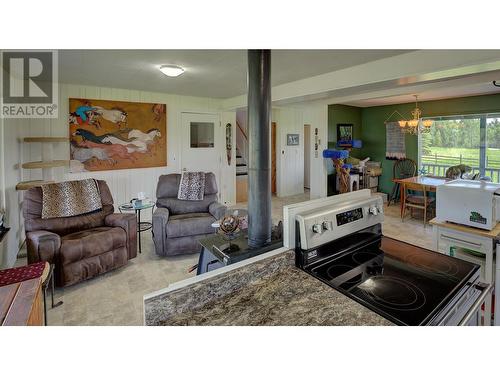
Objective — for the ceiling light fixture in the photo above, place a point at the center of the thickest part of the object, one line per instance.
(417, 125)
(171, 70)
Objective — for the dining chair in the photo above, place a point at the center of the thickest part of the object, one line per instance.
(403, 168)
(416, 197)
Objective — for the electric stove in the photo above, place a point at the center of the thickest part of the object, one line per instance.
(343, 246)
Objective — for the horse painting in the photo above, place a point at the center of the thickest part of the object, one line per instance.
(107, 134)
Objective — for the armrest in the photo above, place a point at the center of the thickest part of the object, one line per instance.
(217, 210)
(160, 220)
(42, 246)
(128, 223)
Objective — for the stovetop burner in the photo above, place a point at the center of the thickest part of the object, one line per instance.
(393, 293)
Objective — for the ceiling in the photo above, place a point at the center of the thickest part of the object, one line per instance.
(478, 85)
(209, 73)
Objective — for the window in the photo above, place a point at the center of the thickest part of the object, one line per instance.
(202, 134)
(471, 140)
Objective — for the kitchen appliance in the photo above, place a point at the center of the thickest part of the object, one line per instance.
(468, 202)
(342, 245)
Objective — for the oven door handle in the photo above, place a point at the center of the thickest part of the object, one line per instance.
(459, 241)
(477, 305)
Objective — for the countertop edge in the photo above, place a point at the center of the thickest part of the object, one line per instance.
(215, 273)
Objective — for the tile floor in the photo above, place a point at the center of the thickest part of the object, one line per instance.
(116, 297)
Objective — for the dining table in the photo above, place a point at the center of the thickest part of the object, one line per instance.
(431, 182)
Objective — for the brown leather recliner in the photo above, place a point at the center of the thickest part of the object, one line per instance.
(80, 247)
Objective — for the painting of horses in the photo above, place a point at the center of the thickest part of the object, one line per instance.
(109, 134)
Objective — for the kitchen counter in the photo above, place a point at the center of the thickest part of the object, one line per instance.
(493, 234)
(268, 291)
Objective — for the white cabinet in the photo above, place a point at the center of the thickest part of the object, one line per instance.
(463, 244)
(497, 282)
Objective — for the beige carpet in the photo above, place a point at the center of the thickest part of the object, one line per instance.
(116, 297)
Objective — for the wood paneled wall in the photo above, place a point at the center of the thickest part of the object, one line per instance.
(124, 184)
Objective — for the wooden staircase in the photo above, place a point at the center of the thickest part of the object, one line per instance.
(241, 165)
(241, 178)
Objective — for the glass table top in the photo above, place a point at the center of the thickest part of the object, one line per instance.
(136, 206)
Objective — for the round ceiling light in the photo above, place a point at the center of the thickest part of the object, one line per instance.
(171, 70)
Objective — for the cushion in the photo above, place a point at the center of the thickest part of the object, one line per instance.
(176, 206)
(70, 198)
(168, 185)
(91, 242)
(32, 211)
(190, 225)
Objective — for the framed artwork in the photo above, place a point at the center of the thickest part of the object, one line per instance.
(344, 132)
(292, 139)
(109, 135)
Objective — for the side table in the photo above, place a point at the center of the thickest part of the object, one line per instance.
(142, 226)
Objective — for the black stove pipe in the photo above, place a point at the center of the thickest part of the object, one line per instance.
(259, 172)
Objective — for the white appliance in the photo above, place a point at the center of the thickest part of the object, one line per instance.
(468, 202)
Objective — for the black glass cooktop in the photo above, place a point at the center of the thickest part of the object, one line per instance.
(407, 287)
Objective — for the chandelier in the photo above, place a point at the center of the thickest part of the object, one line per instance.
(417, 124)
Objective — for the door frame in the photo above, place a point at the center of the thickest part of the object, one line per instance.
(273, 156)
(308, 158)
(219, 149)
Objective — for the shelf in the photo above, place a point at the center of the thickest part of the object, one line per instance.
(45, 139)
(26, 185)
(45, 164)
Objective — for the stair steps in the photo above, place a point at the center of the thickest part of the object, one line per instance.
(241, 166)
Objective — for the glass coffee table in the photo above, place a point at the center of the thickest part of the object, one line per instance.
(142, 226)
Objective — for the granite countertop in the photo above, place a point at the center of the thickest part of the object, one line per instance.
(268, 292)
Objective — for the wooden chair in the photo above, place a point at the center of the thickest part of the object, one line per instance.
(402, 168)
(418, 201)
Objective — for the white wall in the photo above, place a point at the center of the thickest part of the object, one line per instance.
(228, 172)
(316, 115)
(290, 159)
(124, 184)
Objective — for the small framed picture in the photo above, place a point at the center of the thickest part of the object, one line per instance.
(292, 139)
(344, 132)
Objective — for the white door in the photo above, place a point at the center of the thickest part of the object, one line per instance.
(307, 156)
(202, 144)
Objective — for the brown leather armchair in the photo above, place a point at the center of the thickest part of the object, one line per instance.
(80, 247)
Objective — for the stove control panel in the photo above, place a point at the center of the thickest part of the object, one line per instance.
(349, 216)
(322, 225)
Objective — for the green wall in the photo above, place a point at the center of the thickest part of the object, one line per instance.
(369, 125)
(341, 114)
(344, 114)
(373, 128)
